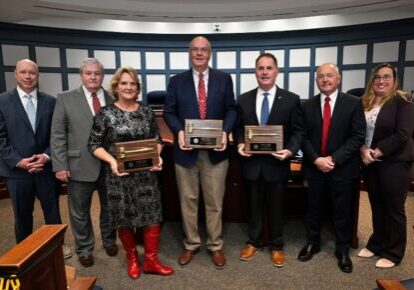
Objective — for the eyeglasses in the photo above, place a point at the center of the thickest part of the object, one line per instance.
(200, 49)
(385, 78)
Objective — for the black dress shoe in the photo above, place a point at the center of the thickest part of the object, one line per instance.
(344, 262)
(86, 261)
(307, 252)
(111, 250)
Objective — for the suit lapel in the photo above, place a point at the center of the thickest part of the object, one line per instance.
(192, 94)
(40, 105)
(277, 102)
(318, 113)
(336, 114)
(20, 109)
(83, 105)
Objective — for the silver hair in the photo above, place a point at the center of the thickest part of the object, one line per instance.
(88, 61)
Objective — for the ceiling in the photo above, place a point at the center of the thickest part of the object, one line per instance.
(216, 14)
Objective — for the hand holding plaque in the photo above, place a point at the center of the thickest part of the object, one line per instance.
(137, 155)
(204, 134)
(265, 139)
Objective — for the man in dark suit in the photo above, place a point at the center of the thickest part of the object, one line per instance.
(335, 131)
(266, 175)
(74, 164)
(200, 93)
(25, 120)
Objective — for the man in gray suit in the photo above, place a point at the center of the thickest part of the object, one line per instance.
(72, 162)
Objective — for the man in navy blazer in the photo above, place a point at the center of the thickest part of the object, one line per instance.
(25, 121)
(331, 164)
(208, 167)
(266, 175)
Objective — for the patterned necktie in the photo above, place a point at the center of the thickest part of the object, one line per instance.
(31, 111)
(202, 97)
(96, 103)
(326, 124)
(264, 112)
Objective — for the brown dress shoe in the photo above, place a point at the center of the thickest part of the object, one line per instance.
(219, 260)
(112, 250)
(186, 257)
(278, 258)
(248, 252)
(86, 261)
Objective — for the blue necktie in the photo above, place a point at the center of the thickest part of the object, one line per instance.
(264, 113)
(31, 111)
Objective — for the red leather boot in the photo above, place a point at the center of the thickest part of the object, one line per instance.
(127, 237)
(151, 246)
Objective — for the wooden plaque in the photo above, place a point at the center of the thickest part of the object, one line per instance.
(264, 139)
(137, 155)
(203, 133)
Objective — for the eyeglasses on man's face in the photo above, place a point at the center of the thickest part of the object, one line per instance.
(199, 49)
(385, 78)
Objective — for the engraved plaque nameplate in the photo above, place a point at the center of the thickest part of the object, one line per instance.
(137, 155)
(203, 133)
(264, 139)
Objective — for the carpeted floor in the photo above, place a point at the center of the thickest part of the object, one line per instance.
(319, 273)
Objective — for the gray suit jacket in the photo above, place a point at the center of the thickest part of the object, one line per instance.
(71, 126)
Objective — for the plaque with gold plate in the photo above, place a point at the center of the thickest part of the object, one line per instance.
(203, 133)
(137, 155)
(265, 139)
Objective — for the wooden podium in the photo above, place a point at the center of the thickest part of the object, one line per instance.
(38, 263)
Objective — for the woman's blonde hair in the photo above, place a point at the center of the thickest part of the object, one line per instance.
(368, 97)
(117, 78)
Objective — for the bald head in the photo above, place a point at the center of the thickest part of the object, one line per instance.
(27, 74)
(200, 51)
(200, 39)
(328, 78)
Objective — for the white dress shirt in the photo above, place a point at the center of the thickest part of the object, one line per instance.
(196, 78)
(99, 94)
(332, 101)
(260, 97)
(24, 99)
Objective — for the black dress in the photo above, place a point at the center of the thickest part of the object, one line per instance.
(133, 200)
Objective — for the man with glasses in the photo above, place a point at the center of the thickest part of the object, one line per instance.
(334, 133)
(200, 93)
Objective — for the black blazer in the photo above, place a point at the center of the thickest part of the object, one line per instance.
(285, 111)
(345, 138)
(17, 139)
(394, 130)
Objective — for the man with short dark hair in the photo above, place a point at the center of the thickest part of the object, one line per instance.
(266, 175)
(74, 164)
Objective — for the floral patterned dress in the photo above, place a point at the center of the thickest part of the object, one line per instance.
(133, 200)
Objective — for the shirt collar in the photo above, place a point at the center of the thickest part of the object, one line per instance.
(22, 93)
(205, 73)
(332, 96)
(89, 94)
(272, 91)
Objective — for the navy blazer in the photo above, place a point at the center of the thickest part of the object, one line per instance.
(345, 137)
(181, 103)
(393, 131)
(17, 139)
(286, 111)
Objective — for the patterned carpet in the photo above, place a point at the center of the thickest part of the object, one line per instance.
(319, 273)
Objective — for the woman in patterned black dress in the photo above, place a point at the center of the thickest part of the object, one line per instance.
(133, 198)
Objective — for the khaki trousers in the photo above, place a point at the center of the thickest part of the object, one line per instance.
(212, 178)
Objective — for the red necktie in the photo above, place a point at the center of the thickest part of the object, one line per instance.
(326, 124)
(202, 97)
(95, 103)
